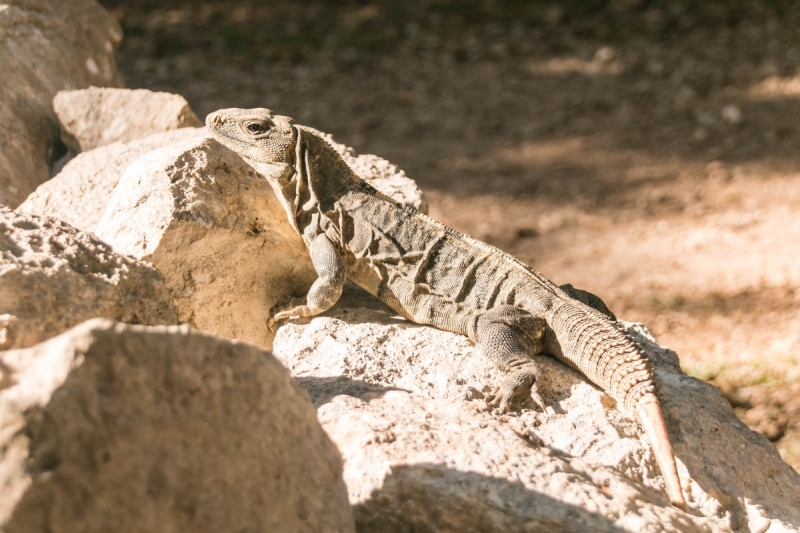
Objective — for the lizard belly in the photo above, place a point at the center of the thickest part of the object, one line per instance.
(411, 300)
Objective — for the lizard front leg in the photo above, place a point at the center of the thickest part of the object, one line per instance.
(327, 288)
(510, 336)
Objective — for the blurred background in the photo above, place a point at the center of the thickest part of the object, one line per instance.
(647, 151)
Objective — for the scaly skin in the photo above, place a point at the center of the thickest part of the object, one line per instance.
(434, 275)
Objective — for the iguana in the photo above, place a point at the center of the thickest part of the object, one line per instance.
(432, 274)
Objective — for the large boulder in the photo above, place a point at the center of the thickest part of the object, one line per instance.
(404, 405)
(45, 46)
(215, 230)
(219, 235)
(79, 193)
(94, 117)
(111, 427)
(53, 277)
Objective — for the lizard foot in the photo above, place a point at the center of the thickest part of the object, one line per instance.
(521, 380)
(509, 337)
(293, 309)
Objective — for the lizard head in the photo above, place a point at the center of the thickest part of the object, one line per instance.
(263, 139)
(267, 142)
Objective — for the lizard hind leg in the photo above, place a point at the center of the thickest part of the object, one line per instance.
(509, 337)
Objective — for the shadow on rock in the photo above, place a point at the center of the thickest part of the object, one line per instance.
(323, 389)
(466, 502)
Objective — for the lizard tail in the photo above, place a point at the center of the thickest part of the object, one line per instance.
(652, 419)
(591, 343)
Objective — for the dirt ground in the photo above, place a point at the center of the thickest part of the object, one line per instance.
(646, 151)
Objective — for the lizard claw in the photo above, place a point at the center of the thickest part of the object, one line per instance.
(282, 312)
(498, 400)
(501, 399)
(272, 321)
(538, 400)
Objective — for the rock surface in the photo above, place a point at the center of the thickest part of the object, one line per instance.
(403, 403)
(94, 117)
(217, 232)
(45, 46)
(79, 193)
(53, 277)
(111, 427)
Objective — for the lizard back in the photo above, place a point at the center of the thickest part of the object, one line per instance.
(427, 271)
(435, 275)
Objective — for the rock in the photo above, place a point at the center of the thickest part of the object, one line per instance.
(45, 46)
(94, 117)
(53, 277)
(79, 193)
(111, 427)
(417, 464)
(404, 405)
(387, 178)
(217, 232)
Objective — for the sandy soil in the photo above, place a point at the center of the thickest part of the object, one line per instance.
(648, 151)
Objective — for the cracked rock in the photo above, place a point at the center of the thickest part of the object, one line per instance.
(79, 193)
(94, 117)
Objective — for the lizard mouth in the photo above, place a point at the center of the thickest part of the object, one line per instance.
(214, 123)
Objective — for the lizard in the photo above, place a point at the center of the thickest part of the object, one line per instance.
(432, 274)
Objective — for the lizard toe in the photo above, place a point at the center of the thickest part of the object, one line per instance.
(538, 399)
(501, 399)
(495, 398)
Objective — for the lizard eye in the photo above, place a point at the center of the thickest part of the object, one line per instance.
(256, 128)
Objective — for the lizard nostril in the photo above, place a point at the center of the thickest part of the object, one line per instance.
(217, 120)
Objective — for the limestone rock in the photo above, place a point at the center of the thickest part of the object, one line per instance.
(111, 427)
(217, 232)
(45, 46)
(79, 193)
(404, 404)
(53, 277)
(96, 116)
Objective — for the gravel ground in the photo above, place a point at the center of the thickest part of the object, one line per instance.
(648, 151)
